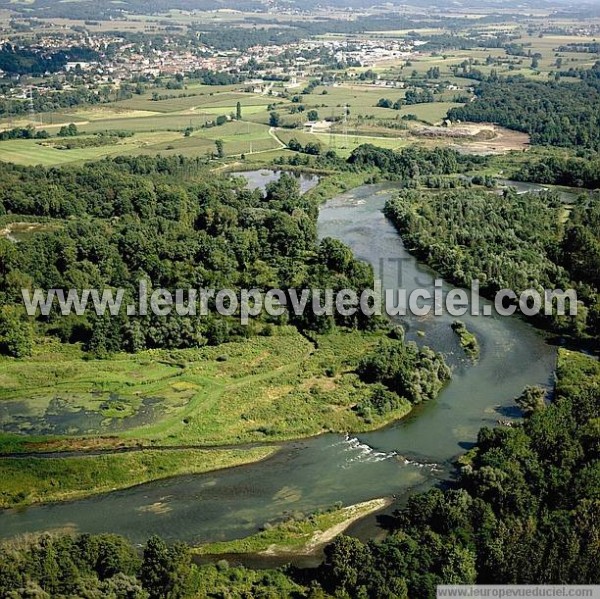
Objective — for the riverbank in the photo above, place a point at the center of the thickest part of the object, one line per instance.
(32, 481)
(331, 182)
(297, 536)
(132, 419)
(308, 475)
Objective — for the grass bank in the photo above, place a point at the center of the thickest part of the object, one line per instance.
(27, 481)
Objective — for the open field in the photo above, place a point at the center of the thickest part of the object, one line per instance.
(430, 113)
(162, 122)
(238, 138)
(104, 112)
(488, 59)
(222, 96)
(263, 388)
(29, 152)
(344, 145)
(475, 138)
(158, 127)
(32, 152)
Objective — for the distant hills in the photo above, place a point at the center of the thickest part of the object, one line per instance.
(107, 9)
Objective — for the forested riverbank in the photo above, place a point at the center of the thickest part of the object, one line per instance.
(510, 241)
(520, 489)
(67, 378)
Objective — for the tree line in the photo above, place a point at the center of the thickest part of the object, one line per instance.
(573, 171)
(509, 241)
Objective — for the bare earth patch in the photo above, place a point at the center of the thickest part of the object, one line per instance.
(477, 138)
(12, 229)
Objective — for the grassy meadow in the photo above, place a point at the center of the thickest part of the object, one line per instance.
(260, 389)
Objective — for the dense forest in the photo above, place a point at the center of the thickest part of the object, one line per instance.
(105, 9)
(508, 241)
(415, 373)
(552, 113)
(413, 162)
(109, 224)
(524, 510)
(229, 38)
(555, 170)
(502, 239)
(113, 223)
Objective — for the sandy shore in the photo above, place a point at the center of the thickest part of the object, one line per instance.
(322, 537)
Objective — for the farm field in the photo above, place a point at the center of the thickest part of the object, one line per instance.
(344, 145)
(158, 127)
(193, 99)
(32, 152)
(201, 143)
(546, 46)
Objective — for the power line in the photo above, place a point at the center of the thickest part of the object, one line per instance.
(345, 127)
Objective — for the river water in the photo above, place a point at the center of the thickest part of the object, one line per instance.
(316, 473)
(260, 179)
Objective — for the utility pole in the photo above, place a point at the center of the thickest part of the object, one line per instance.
(345, 126)
(332, 141)
(31, 106)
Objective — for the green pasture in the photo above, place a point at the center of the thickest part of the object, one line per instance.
(32, 152)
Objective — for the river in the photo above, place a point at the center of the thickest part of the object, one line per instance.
(260, 179)
(316, 473)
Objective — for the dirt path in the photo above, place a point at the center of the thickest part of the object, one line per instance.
(274, 136)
